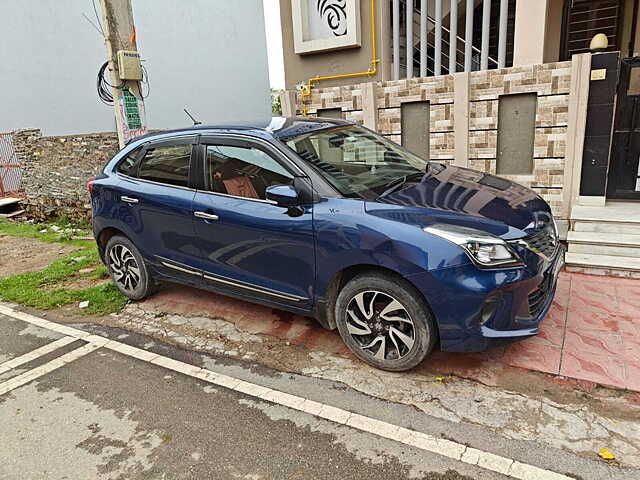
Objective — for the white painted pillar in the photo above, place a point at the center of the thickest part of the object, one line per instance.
(468, 37)
(484, 47)
(438, 40)
(530, 31)
(409, 42)
(396, 39)
(423, 38)
(453, 36)
(502, 33)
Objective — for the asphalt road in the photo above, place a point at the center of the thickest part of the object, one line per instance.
(85, 410)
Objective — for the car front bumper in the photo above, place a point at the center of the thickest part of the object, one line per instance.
(475, 308)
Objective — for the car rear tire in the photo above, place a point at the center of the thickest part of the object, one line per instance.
(385, 321)
(127, 268)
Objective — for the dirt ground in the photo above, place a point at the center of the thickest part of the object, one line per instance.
(21, 255)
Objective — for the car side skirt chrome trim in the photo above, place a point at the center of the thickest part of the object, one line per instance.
(181, 269)
(245, 286)
(227, 281)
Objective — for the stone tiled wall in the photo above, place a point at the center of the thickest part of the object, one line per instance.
(551, 83)
(55, 170)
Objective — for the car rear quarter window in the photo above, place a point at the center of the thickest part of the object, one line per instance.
(168, 164)
(127, 166)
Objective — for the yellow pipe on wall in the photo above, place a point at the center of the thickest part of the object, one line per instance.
(373, 69)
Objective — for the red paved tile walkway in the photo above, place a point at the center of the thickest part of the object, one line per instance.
(591, 333)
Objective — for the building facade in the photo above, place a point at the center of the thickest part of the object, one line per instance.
(523, 96)
(192, 51)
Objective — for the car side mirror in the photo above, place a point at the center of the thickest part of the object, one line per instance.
(282, 195)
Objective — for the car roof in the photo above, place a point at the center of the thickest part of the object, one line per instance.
(276, 127)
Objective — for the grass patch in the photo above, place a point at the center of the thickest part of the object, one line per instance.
(38, 289)
(55, 232)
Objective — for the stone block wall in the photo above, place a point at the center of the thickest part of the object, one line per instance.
(55, 170)
(551, 83)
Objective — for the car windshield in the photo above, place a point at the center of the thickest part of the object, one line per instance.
(358, 162)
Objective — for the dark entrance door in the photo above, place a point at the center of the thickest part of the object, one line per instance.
(623, 180)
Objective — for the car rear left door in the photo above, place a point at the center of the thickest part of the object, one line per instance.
(250, 246)
(156, 204)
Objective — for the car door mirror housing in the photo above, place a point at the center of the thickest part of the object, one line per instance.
(282, 195)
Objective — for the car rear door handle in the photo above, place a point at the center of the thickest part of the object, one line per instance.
(129, 199)
(206, 216)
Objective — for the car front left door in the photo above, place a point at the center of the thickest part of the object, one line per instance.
(251, 246)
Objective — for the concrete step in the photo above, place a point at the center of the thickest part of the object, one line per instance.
(602, 263)
(604, 238)
(613, 212)
(606, 227)
(603, 249)
(597, 243)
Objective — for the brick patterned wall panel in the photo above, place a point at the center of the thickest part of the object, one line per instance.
(552, 111)
(436, 90)
(550, 142)
(354, 116)
(483, 115)
(482, 144)
(389, 121)
(441, 118)
(544, 79)
(442, 146)
(488, 166)
(347, 98)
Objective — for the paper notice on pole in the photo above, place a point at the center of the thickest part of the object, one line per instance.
(132, 116)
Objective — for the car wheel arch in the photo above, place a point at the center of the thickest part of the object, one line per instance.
(326, 312)
(105, 235)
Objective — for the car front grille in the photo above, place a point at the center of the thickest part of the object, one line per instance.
(538, 297)
(542, 242)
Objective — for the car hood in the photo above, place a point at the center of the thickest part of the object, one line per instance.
(455, 195)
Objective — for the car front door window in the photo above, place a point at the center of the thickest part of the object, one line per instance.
(243, 171)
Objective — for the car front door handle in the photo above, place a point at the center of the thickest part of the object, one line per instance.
(206, 216)
(129, 199)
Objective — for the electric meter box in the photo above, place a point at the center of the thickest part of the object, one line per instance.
(129, 66)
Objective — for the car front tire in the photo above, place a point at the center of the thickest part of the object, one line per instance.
(385, 322)
(127, 268)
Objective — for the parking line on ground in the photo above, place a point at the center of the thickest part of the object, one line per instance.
(33, 354)
(48, 367)
(440, 446)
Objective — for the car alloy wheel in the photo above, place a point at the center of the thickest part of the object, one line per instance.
(380, 325)
(125, 269)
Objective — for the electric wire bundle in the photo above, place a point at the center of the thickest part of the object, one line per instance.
(104, 87)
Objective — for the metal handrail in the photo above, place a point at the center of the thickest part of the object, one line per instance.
(458, 37)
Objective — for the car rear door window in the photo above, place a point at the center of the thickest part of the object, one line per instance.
(168, 164)
(243, 171)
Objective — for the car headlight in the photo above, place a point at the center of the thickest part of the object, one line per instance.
(484, 249)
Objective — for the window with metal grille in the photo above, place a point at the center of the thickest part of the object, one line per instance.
(584, 18)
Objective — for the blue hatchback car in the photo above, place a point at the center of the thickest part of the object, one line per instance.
(328, 219)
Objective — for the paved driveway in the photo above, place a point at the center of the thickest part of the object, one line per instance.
(101, 403)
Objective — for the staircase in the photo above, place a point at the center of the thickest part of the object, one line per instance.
(605, 240)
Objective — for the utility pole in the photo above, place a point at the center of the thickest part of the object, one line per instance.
(120, 35)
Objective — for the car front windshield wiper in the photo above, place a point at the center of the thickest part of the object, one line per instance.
(394, 185)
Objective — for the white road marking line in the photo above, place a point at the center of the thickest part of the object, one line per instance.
(420, 440)
(33, 354)
(48, 367)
